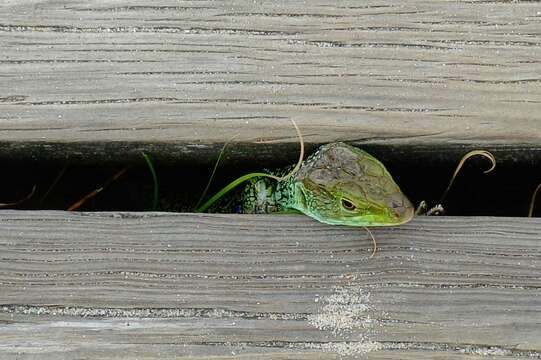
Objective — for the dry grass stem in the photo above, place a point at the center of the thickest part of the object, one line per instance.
(532, 201)
(470, 154)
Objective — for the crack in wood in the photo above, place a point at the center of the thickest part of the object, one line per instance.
(463, 348)
(141, 313)
(141, 29)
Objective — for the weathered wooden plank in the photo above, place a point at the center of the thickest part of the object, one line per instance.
(105, 285)
(189, 74)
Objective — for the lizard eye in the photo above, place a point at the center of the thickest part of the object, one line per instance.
(348, 205)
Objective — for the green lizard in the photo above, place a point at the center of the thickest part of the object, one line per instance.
(338, 184)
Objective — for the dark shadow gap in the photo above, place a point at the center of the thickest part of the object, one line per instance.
(504, 192)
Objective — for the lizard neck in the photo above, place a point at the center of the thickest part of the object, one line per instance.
(287, 194)
(265, 195)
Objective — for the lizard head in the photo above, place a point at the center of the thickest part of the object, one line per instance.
(340, 184)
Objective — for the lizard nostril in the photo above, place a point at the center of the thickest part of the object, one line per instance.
(399, 205)
(395, 201)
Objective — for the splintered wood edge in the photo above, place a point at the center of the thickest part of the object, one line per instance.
(267, 287)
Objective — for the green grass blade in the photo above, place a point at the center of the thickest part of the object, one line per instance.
(242, 179)
(230, 187)
(204, 194)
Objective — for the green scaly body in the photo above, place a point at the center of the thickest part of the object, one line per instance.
(338, 184)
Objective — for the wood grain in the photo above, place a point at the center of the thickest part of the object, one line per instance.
(141, 285)
(110, 78)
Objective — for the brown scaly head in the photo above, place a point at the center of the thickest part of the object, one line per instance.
(340, 184)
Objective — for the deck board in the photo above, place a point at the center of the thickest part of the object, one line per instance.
(180, 77)
(283, 287)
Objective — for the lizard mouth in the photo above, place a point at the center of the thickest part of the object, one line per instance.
(400, 207)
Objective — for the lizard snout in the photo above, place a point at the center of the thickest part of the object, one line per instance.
(401, 207)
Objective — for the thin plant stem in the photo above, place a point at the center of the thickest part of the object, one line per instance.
(95, 192)
(483, 153)
(156, 191)
(220, 155)
(246, 177)
(18, 202)
(53, 184)
(230, 187)
(301, 152)
(375, 248)
(532, 202)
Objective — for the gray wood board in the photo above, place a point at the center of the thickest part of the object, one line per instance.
(80, 79)
(135, 285)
